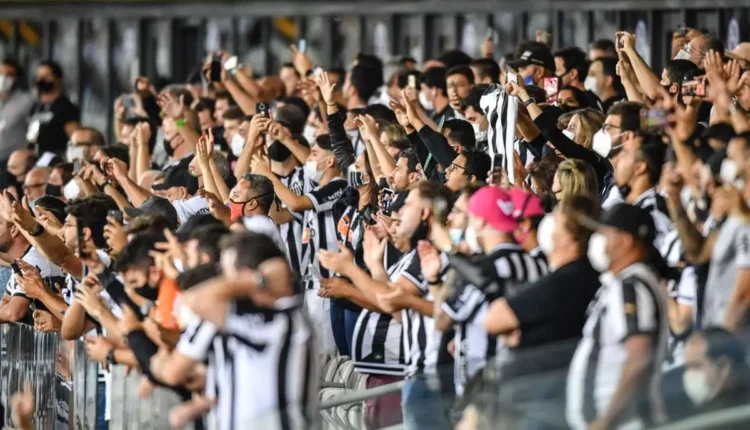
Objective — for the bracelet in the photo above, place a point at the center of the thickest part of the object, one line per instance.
(180, 122)
(37, 231)
(103, 185)
(528, 102)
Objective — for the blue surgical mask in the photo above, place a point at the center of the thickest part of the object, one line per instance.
(457, 235)
(529, 80)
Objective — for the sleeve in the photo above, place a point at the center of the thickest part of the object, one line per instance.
(195, 341)
(13, 288)
(144, 349)
(634, 309)
(687, 288)
(438, 146)
(536, 146)
(460, 305)
(340, 143)
(418, 146)
(538, 302)
(413, 274)
(548, 126)
(182, 210)
(324, 198)
(742, 244)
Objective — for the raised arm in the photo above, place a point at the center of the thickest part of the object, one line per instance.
(650, 83)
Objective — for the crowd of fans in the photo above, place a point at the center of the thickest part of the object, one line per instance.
(237, 232)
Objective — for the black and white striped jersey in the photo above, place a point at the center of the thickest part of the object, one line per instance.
(632, 303)
(261, 366)
(467, 306)
(319, 230)
(378, 345)
(291, 232)
(657, 207)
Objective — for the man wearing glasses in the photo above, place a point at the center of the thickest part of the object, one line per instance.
(468, 166)
(35, 184)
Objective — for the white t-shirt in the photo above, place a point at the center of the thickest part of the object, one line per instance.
(188, 207)
(263, 224)
(51, 273)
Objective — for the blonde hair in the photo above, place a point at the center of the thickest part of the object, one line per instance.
(577, 177)
(589, 122)
(395, 132)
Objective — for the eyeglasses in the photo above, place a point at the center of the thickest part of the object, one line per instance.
(606, 127)
(26, 187)
(455, 166)
(690, 50)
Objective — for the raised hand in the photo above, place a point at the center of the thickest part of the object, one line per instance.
(628, 41)
(309, 88)
(171, 106)
(373, 248)
(429, 259)
(22, 215)
(302, 63)
(326, 88)
(115, 236)
(338, 261)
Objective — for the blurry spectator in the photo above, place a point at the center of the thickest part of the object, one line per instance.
(54, 117)
(19, 164)
(35, 183)
(603, 81)
(15, 106)
(602, 48)
(572, 68)
(574, 177)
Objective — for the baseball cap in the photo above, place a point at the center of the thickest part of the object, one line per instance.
(526, 204)
(535, 53)
(629, 219)
(156, 206)
(494, 205)
(176, 176)
(741, 52)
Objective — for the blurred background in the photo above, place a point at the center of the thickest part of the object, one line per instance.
(104, 45)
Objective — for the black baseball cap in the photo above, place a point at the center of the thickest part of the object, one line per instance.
(629, 219)
(176, 176)
(537, 54)
(156, 206)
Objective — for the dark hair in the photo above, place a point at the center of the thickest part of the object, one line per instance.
(205, 103)
(375, 64)
(324, 141)
(20, 72)
(54, 67)
(606, 45)
(225, 95)
(364, 79)
(292, 116)
(117, 151)
(715, 44)
(262, 186)
(537, 93)
(652, 151)
(454, 58)
(208, 237)
(461, 70)
(412, 161)
(401, 144)
(182, 93)
(473, 98)
(67, 171)
(198, 274)
(402, 78)
(470, 188)
(92, 212)
(462, 132)
(573, 209)
(405, 59)
(146, 223)
(97, 138)
(263, 248)
(53, 205)
(574, 59)
(609, 68)
(678, 69)
(233, 113)
(434, 191)
(195, 222)
(289, 65)
(486, 68)
(434, 77)
(630, 112)
(543, 171)
(478, 163)
(135, 255)
(380, 113)
(579, 95)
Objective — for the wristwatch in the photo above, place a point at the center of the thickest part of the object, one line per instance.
(37, 231)
(111, 357)
(528, 102)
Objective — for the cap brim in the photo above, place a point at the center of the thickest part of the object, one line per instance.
(161, 187)
(134, 212)
(591, 223)
(515, 64)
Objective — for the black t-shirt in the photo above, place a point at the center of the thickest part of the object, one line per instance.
(52, 119)
(554, 308)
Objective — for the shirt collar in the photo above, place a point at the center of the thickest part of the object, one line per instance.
(651, 192)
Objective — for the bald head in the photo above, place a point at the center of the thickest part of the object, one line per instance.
(20, 162)
(148, 177)
(35, 184)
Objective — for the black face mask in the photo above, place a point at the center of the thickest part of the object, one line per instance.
(53, 190)
(168, 148)
(191, 183)
(421, 233)
(44, 86)
(278, 152)
(147, 292)
(566, 108)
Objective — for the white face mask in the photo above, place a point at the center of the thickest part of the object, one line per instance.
(728, 171)
(590, 84)
(602, 143)
(597, 252)
(309, 133)
(569, 134)
(682, 54)
(472, 239)
(426, 103)
(75, 152)
(479, 134)
(544, 234)
(71, 190)
(457, 235)
(312, 172)
(6, 83)
(237, 144)
(696, 386)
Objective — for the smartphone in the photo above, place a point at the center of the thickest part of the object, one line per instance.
(80, 237)
(656, 118)
(551, 88)
(302, 45)
(215, 72)
(77, 165)
(512, 74)
(619, 41)
(682, 29)
(387, 199)
(412, 81)
(16, 269)
(116, 215)
(262, 109)
(128, 101)
(694, 88)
